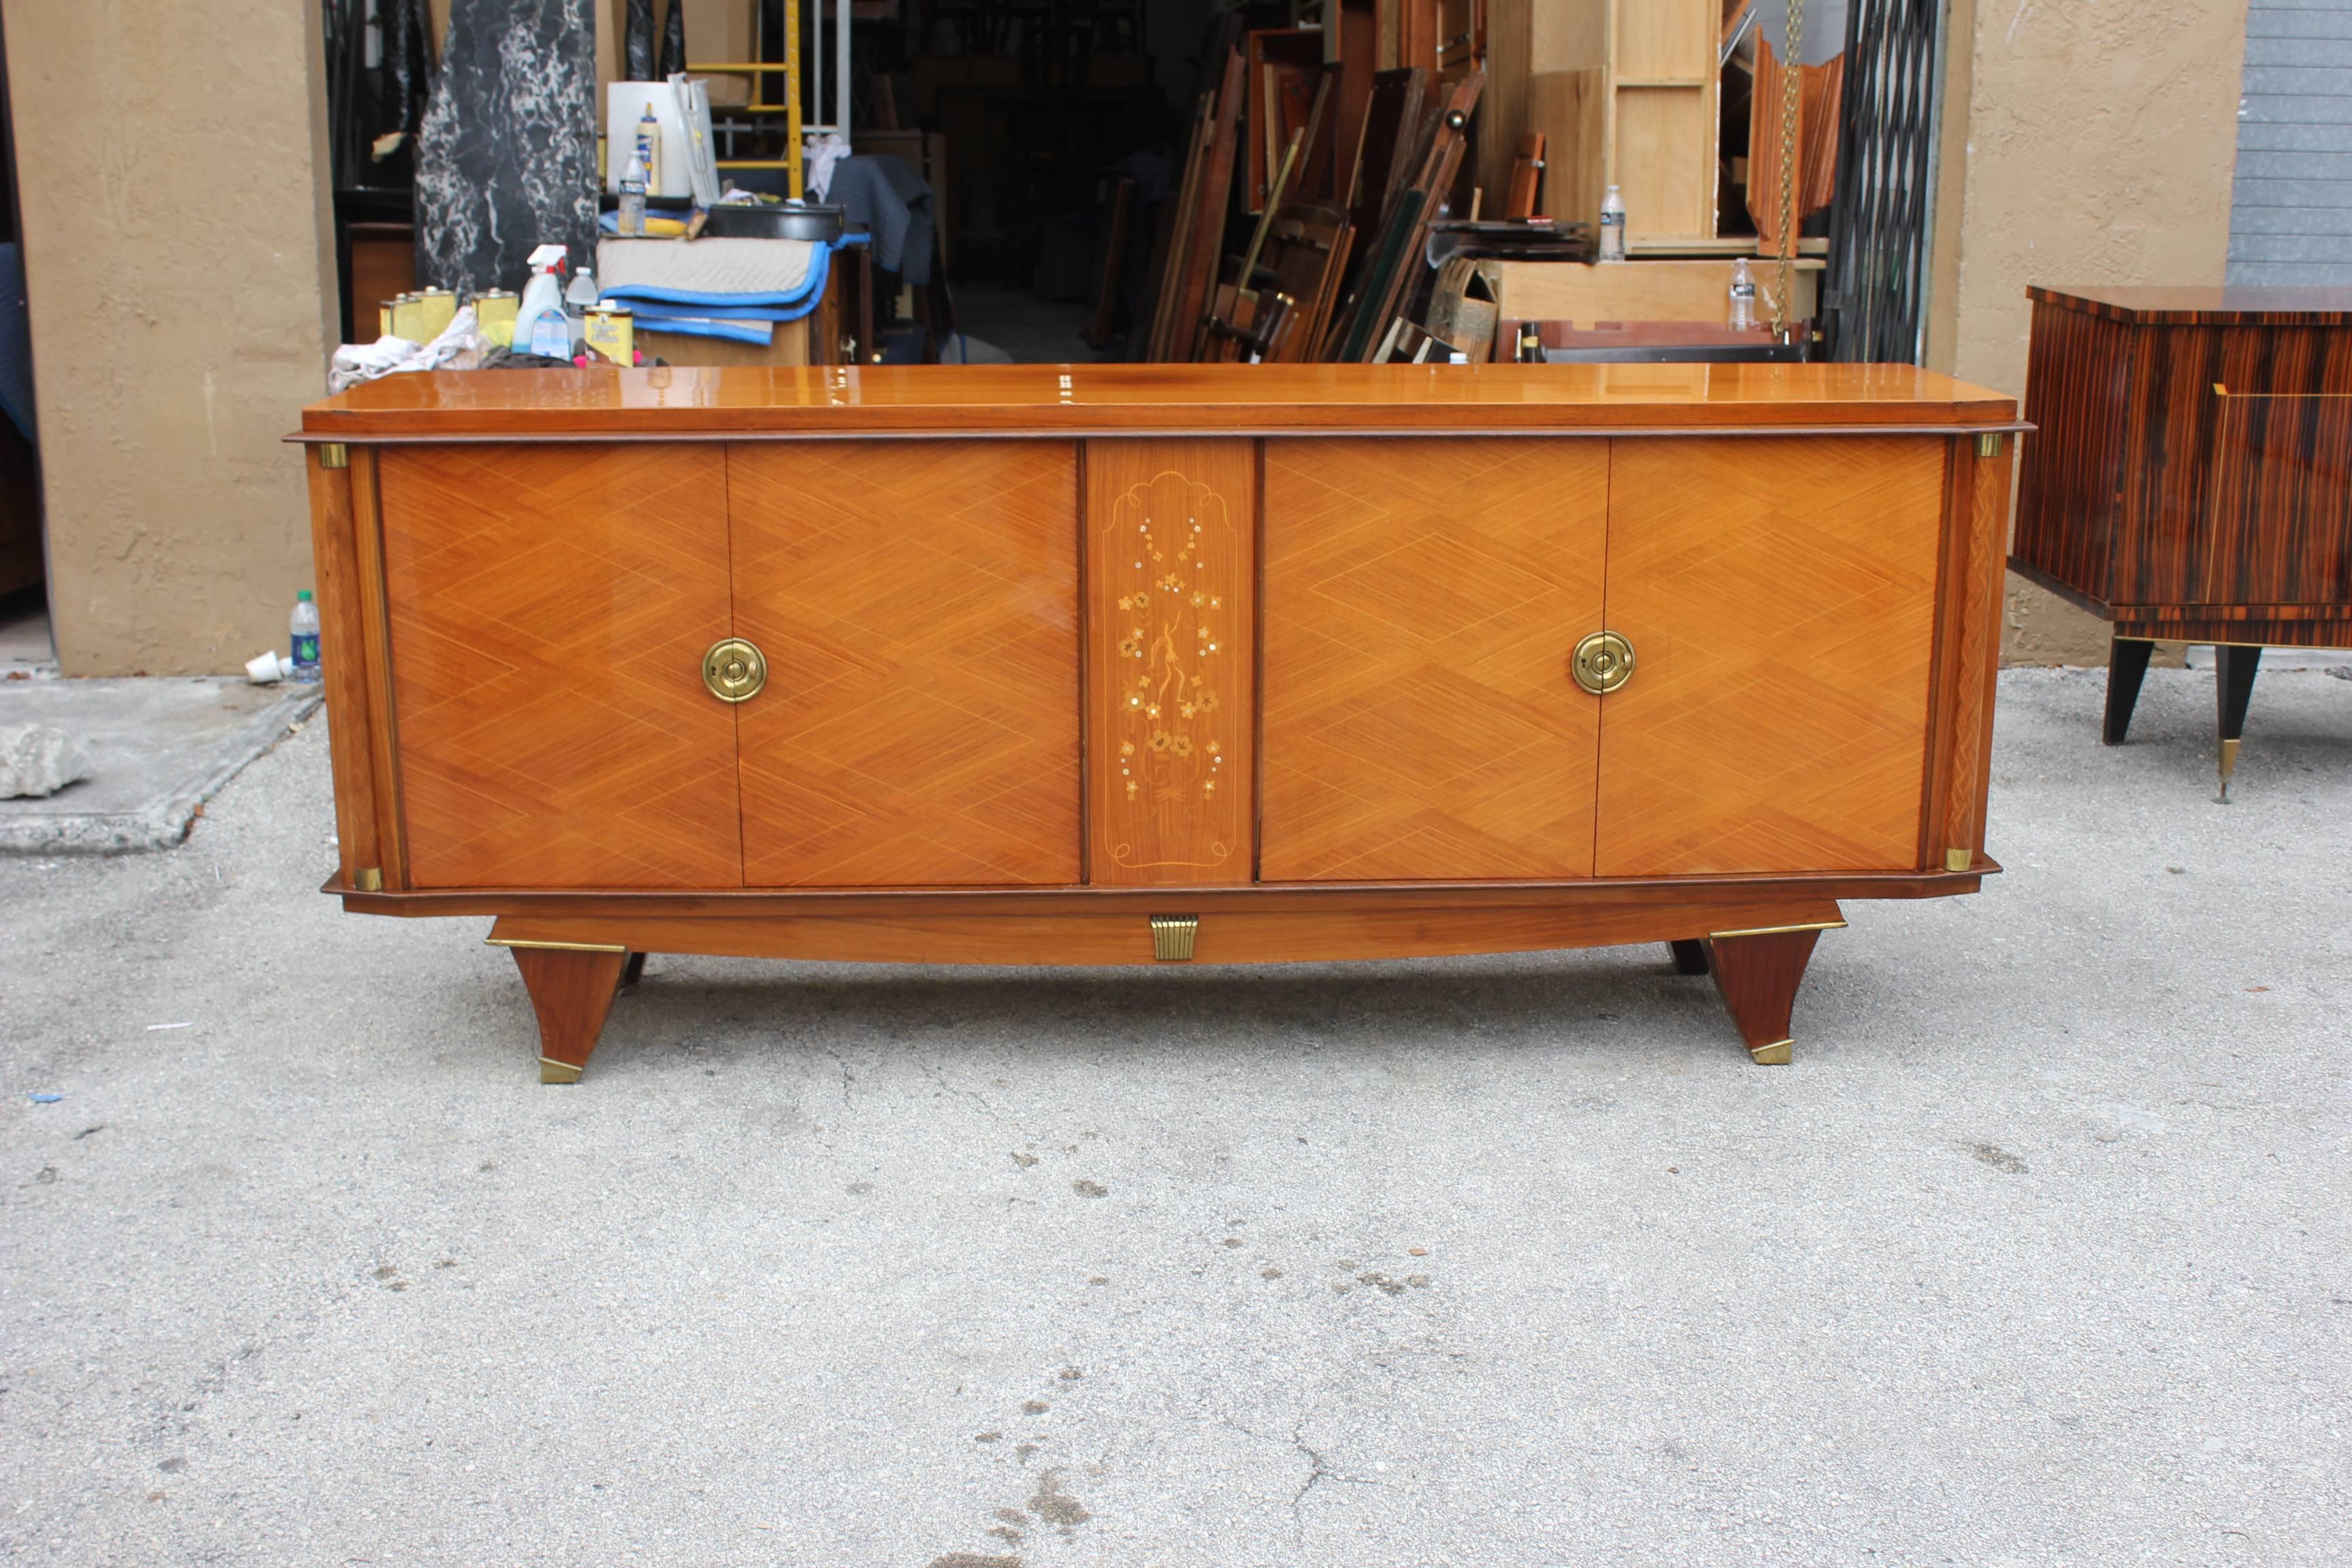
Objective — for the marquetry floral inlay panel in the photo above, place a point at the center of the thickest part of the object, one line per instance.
(1171, 555)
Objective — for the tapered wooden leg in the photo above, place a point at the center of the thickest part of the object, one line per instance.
(2233, 688)
(571, 990)
(2126, 667)
(1759, 975)
(1690, 957)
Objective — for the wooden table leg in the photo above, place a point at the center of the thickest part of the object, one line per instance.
(1690, 957)
(1758, 974)
(2233, 687)
(571, 990)
(2126, 667)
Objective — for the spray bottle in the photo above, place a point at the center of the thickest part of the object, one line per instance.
(543, 299)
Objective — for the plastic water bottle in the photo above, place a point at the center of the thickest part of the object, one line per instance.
(1743, 297)
(1613, 225)
(303, 625)
(634, 183)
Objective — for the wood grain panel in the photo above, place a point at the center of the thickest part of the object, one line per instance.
(2237, 498)
(2280, 495)
(1659, 894)
(1421, 605)
(1973, 601)
(1170, 688)
(550, 607)
(961, 401)
(2204, 305)
(342, 665)
(2077, 385)
(375, 656)
(1241, 936)
(917, 606)
(1779, 595)
(2305, 631)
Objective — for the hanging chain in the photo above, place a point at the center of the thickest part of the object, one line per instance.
(1792, 90)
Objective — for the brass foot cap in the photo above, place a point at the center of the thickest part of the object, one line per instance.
(1775, 1054)
(553, 1071)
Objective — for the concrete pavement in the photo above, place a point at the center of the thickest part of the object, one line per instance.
(2038, 1254)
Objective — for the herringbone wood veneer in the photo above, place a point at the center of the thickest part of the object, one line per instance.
(550, 606)
(1421, 602)
(917, 606)
(1779, 595)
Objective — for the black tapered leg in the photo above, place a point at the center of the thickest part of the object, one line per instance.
(1690, 957)
(2233, 687)
(633, 970)
(2126, 667)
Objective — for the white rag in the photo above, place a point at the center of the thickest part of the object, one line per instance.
(458, 348)
(823, 154)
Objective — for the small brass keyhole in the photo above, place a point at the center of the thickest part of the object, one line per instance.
(734, 670)
(1603, 663)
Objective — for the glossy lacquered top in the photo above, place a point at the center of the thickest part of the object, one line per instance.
(2206, 307)
(1240, 400)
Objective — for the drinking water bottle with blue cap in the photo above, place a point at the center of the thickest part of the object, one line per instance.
(304, 627)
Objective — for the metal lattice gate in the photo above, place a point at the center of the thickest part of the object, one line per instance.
(1876, 284)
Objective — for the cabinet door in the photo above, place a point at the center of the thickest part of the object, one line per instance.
(1780, 597)
(548, 610)
(917, 602)
(1422, 599)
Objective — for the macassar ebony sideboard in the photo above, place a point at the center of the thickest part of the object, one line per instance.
(2191, 477)
(1108, 665)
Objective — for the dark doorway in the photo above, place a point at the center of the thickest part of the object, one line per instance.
(24, 636)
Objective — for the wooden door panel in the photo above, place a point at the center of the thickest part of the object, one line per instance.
(1171, 578)
(1781, 598)
(550, 606)
(917, 602)
(1421, 601)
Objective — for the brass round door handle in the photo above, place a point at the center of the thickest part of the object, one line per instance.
(1602, 663)
(734, 670)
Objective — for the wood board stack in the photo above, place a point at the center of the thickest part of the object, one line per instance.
(1339, 172)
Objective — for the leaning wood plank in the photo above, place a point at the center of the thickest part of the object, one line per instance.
(1215, 196)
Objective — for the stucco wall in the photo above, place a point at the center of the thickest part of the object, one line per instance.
(171, 169)
(2096, 147)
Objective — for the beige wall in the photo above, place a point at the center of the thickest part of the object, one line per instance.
(180, 263)
(2095, 147)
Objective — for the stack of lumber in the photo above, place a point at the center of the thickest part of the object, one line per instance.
(1289, 239)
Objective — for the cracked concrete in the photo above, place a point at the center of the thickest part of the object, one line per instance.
(2038, 1254)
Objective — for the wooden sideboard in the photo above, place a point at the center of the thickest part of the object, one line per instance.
(1134, 664)
(2191, 481)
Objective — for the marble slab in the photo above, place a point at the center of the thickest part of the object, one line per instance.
(507, 156)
